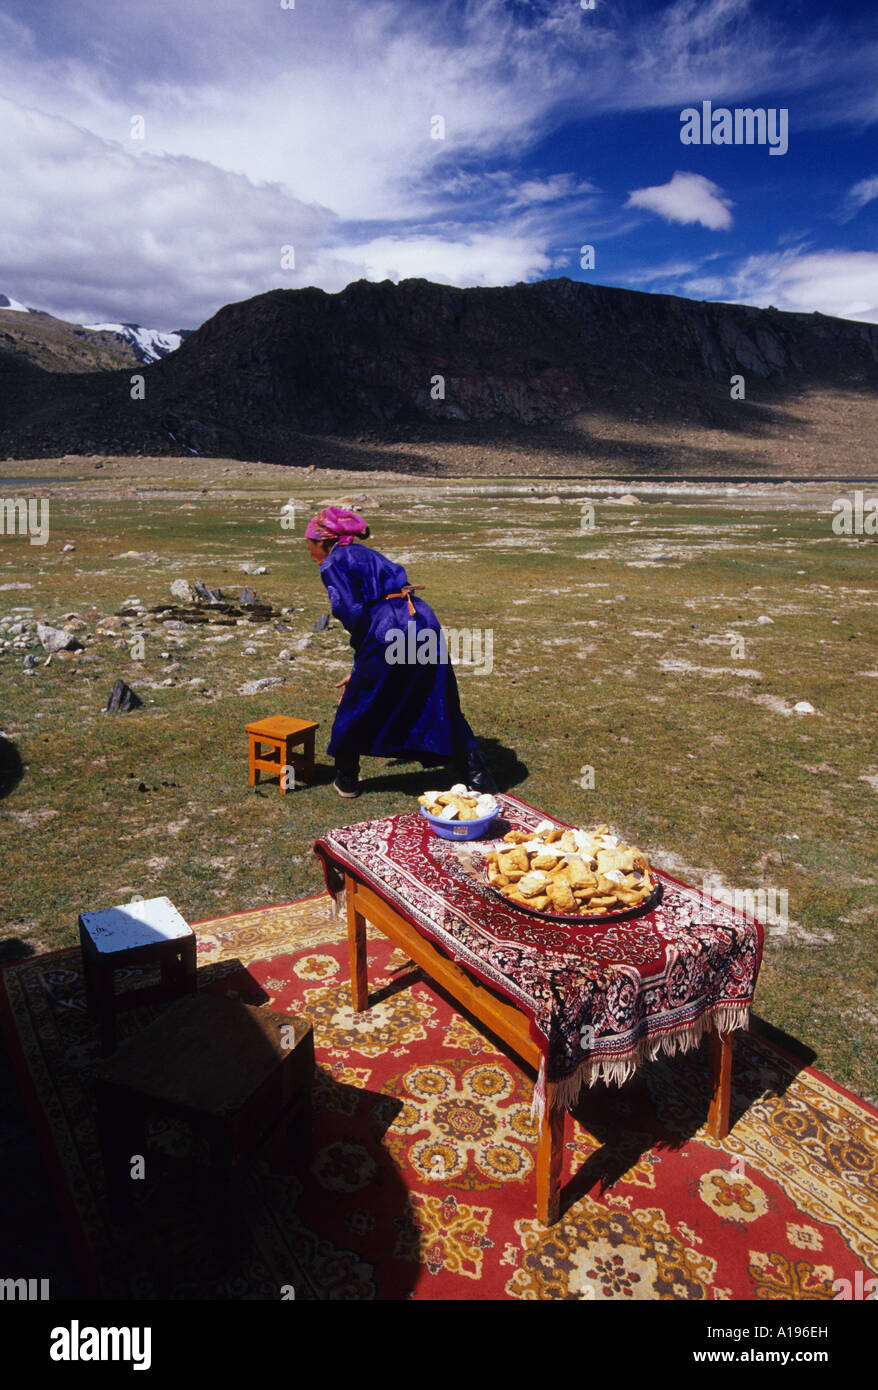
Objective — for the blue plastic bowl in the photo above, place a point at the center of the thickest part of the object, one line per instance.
(459, 829)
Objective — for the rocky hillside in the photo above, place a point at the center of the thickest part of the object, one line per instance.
(418, 361)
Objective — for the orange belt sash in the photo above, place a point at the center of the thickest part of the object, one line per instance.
(406, 593)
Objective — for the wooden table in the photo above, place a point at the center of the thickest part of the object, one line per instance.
(237, 1077)
(504, 1019)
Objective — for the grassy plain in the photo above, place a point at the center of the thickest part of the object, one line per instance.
(631, 647)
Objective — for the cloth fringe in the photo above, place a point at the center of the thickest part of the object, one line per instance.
(538, 1104)
(615, 1071)
(338, 903)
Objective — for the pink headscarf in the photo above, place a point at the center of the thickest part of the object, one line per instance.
(336, 524)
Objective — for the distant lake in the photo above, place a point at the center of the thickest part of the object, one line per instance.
(30, 482)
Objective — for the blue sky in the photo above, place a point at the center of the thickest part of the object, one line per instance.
(312, 128)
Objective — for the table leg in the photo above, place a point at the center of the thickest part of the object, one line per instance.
(720, 1085)
(357, 950)
(254, 770)
(180, 971)
(550, 1150)
(106, 1003)
(120, 1135)
(308, 751)
(89, 977)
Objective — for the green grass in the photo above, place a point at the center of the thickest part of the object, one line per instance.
(691, 760)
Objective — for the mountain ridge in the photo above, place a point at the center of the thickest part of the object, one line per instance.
(416, 361)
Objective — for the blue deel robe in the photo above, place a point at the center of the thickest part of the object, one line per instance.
(390, 709)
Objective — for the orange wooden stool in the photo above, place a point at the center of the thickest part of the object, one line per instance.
(282, 735)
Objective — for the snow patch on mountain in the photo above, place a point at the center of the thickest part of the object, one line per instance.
(14, 304)
(148, 343)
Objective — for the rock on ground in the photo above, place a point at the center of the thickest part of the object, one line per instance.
(122, 699)
(254, 687)
(55, 639)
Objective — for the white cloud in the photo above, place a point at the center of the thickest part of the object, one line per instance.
(163, 239)
(551, 189)
(467, 258)
(842, 283)
(687, 198)
(861, 194)
(668, 273)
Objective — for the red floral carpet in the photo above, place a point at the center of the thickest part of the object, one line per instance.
(421, 1181)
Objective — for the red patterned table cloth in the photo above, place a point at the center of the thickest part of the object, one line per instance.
(601, 997)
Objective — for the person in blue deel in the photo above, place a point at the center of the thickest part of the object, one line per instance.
(390, 707)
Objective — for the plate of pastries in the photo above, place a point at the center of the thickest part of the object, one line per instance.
(571, 874)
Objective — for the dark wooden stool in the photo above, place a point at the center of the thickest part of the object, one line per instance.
(282, 735)
(236, 1077)
(138, 934)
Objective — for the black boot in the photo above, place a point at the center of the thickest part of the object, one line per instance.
(479, 777)
(347, 775)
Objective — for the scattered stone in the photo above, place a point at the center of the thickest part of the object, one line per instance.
(764, 618)
(804, 707)
(68, 546)
(208, 595)
(251, 651)
(254, 569)
(198, 682)
(55, 639)
(181, 588)
(254, 687)
(122, 699)
(30, 661)
(303, 644)
(285, 655)
(322, 622)
(629, 500)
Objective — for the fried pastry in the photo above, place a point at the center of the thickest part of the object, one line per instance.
(532, 883)
(458, 804)
(561, 895)
(545, 861)
(575, 873)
